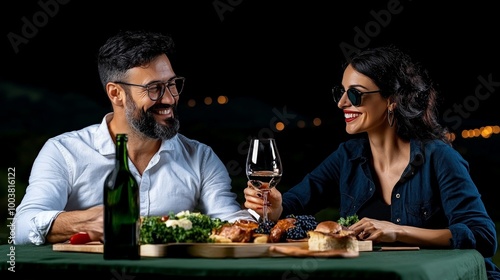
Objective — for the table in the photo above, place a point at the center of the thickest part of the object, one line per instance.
(43, 262)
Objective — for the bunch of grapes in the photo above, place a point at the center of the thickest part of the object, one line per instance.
(303, 224)
(265, 227)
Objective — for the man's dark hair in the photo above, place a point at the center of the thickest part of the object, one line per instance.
(129, 49)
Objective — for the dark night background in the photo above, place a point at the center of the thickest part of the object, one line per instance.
(265, 57)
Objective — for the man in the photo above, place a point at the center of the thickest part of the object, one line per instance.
(64, 195)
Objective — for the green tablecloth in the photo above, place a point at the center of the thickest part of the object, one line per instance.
(43, 262)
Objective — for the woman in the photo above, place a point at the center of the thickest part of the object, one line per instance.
(404, 180)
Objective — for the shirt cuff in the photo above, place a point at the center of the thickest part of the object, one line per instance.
(40, 225)
(240, 215)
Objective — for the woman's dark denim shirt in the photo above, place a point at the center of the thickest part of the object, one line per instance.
(435, 191)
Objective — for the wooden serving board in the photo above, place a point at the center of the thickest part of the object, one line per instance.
(365, 245)
(231, 250)
(200, 250)
(304, 252)
(91, 247)
(205, 250)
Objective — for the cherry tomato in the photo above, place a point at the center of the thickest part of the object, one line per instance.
(79, 238)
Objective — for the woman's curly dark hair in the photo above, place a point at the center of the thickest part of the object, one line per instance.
(407, 84)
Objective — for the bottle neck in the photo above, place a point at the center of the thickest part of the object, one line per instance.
(121, 151)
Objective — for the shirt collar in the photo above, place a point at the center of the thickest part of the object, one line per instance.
(102, 138)
(416, 160)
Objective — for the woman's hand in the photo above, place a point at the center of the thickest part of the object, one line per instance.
(387, 232)
(254, 201)
(377, 231)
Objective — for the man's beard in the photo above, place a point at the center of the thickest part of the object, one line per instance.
(145, 124)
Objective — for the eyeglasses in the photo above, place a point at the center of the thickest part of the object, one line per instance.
(353, 94)
(156, 90)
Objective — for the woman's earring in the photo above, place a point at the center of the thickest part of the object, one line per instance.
(390, 117)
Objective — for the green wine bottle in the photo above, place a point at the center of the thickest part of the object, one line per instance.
(121, 208)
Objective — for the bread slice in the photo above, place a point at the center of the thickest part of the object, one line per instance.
(319, 241)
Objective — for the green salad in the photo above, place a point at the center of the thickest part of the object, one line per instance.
(183, 227)
(348, 221)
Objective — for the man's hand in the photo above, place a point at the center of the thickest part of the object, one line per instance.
(69, 223)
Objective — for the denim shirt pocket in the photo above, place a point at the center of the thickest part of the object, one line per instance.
(423, 214)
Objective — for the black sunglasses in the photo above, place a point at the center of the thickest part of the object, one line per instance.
(353, 94)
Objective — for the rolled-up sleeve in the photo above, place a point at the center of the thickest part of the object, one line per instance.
(46, 196)
(39, 226)
(217, 198)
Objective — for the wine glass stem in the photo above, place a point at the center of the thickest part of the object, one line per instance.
(264, 207)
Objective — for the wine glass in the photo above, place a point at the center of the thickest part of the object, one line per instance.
(263, 167)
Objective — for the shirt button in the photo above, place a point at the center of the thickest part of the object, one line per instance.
(398, 195)
(398, 220)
